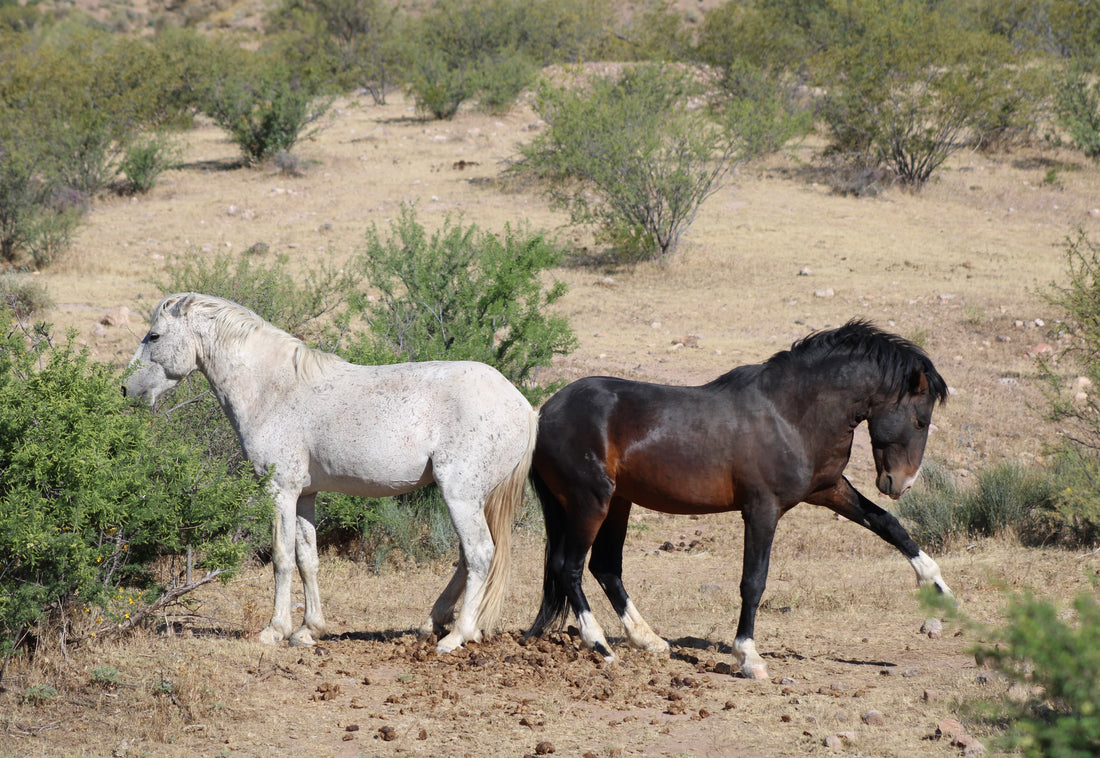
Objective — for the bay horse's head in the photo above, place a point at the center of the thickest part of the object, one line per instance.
(168, 352)
(899, 388)
(899, 430)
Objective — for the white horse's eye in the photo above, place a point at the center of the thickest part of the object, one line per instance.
(153, 337)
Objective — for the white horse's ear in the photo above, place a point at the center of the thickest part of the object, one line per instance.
(179, 308)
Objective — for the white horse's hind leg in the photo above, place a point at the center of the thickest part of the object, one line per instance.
(443, 612)
(477, 547)
(282, 560)
(305, 544)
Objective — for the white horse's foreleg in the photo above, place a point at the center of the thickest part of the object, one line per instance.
(282, 560)
(477, 547)
(443, 612)
(305, 544)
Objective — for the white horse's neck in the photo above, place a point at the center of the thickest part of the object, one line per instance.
(248, 379)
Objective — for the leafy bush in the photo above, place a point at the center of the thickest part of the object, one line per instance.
(1077, 106)
(1079, 301)
(464, 294)
(23, 297)
(35, 219)
(356, 40)
(298, 303)
(634, 156)
(94, 495)
(1061, 658)
(144, 161)
(465, 49)
(908, 85)
(265, 107)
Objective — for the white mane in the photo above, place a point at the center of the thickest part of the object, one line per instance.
(233, 325)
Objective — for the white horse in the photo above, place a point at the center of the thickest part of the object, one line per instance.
(329, 425)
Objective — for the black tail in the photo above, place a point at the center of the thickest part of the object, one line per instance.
(554, 606)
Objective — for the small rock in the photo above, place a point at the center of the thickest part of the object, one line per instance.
(970, 745)
(804, 271)
(874, 718)
(933, 627)
(116, 317)
(931, 696)
(949, 728)
(827, 292)
(388, 733)
(544, 748)
(833, 742)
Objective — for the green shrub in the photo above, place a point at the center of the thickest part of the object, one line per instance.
(465, 49)
(23, 296)
(299, 303)
(37, 219)
(94, 496)
(355, 41)
(930, 508)
(908, 85)
(634, 157)
(1077, 107)
(265, 107)
(1072, 517)
(1060, 658)
(144, 161)
(464, 294)
(1006, 500)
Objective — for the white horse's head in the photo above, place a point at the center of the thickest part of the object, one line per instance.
(167, 354)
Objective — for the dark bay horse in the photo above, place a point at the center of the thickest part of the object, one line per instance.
(759, 439)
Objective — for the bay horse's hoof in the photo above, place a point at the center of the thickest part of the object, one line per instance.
(754, 671)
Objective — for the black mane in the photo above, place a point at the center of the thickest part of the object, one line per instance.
(897, 358)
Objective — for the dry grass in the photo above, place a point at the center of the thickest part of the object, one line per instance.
(956, 266)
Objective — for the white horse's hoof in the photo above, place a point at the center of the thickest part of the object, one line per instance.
(270, 636)
(302, 638)
(449, 644)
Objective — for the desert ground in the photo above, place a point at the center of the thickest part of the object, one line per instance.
(960, 266)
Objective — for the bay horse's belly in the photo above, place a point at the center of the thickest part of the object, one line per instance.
(688, 493)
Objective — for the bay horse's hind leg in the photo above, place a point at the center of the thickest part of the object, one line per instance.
(443, 612)
(606, 565)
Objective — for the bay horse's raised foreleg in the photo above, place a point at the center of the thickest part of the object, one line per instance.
(847, 501)
(761, 518)
(606, 566)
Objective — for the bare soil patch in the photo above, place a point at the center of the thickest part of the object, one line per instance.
(958, 266)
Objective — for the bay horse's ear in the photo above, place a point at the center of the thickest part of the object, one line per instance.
(918, 383)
